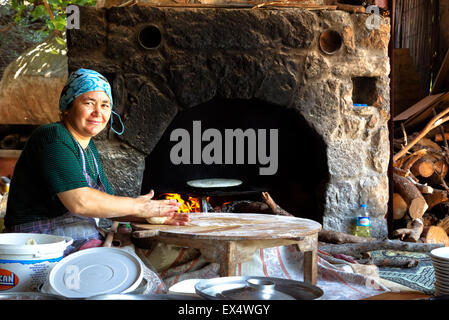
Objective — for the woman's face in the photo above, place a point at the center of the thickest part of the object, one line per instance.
(89, 114)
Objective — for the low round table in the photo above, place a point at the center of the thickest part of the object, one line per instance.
(231, 238)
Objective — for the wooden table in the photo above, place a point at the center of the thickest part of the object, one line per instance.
(231, 238)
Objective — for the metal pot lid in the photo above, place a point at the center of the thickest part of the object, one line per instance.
(256, 288)
(29, 296)
(96, 271)
(214, 183)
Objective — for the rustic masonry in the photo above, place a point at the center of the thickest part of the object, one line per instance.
(164, 61)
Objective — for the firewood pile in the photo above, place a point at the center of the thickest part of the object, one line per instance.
(420, 183)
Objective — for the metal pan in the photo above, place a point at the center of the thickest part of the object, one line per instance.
(256, 288)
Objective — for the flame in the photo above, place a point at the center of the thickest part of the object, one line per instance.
(190, 205)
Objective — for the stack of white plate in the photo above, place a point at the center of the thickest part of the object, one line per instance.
(440, 261)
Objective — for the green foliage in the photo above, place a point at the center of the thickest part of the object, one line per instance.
(29, 11)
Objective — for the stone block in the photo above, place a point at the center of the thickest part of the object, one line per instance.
(146, 121)
(347, 158)
(123, 166)
(92, 32)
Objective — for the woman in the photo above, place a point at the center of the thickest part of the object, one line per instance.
(58, 185)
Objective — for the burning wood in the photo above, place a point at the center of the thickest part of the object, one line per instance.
(192, 204)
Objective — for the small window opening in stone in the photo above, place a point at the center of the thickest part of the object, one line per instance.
(364, 90)
(330, 41)
(150, 37)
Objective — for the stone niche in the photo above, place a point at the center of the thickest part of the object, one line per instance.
(162, 61)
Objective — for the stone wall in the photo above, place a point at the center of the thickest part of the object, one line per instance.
(272, 55)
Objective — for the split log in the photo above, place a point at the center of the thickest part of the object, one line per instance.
(439, 137)
(429, 219)
(336, 237)
(413, 158)
(444, 223)
(424, 189)
(357, 249)
(399, 206)
(405, 173)
(437, 197)
(440, 172)
(413, 231)
(423, 167)
(435, 234)
(428, 143)
(416, 203)
(401, 172)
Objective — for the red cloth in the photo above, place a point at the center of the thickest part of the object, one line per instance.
(91, 244)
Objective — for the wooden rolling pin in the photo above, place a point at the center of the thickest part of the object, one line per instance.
(110, 236)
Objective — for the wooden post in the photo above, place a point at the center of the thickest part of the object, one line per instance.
(311, 267)
(311, 260)
(228, 264)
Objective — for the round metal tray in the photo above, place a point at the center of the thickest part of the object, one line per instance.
(142, 297)
(256, 288)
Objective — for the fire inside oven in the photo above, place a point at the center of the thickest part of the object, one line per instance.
(299, 164)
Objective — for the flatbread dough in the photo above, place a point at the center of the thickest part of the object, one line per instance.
(214, 183)
(157, 220)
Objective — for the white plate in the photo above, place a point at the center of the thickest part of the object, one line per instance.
(440, 261)
(440, 269)
(441, 291)
(440, 285)
(440, 254)
(96, 271)
(214, 183)
(440, 264)
(441, 277)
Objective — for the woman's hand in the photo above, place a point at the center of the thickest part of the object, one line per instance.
(148, 208)
(180, 219)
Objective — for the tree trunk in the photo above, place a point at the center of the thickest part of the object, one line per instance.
(335, 237)
(357, 249)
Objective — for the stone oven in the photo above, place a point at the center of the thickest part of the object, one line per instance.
(299, 71)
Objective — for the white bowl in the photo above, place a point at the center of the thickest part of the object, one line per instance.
(440, 254)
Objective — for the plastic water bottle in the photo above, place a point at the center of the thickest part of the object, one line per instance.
(363, 225)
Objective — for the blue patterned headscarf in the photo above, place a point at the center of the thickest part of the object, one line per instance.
(85, 80)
